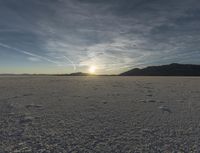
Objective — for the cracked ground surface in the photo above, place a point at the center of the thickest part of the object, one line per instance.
(99, 114)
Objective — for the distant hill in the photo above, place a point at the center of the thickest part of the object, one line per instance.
(79, 74)
(173, 69)
(75, 74)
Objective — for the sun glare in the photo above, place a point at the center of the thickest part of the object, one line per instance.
(92, 69)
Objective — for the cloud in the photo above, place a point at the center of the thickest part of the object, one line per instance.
(108, 33)
(34, 59)
(29, 53)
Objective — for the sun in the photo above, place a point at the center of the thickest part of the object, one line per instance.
(92, 69)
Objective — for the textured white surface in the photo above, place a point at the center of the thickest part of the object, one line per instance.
(99, 114)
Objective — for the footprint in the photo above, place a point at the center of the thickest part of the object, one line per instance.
(152, 101)
(104, 102)
(165, 109)
(28, 94)
(33, 106)
(26, 119)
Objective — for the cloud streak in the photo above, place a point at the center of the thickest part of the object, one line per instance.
(29, 53)
(113, 34)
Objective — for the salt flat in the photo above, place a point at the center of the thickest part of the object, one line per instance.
(99, 114)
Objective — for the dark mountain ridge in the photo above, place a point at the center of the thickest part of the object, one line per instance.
(173, 69)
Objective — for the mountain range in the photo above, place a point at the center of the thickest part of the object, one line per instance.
(173, 69)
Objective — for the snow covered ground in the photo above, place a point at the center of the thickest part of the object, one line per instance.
(99, 114)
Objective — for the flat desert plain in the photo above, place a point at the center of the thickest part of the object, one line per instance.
(99, 114)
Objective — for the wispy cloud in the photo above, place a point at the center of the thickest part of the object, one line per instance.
(34, 59)
(108, 33)
(29, 53)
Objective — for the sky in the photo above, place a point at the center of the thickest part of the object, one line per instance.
(66, 36)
